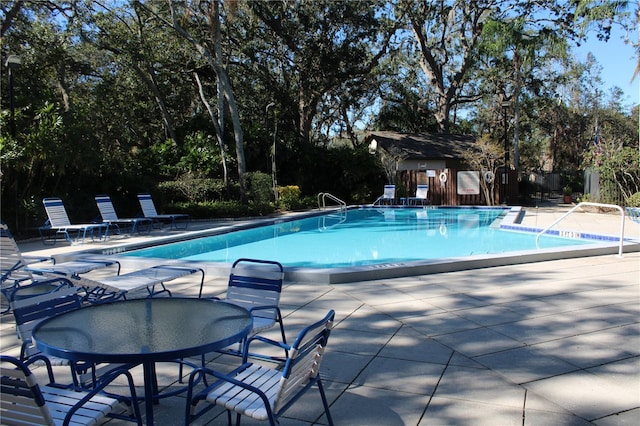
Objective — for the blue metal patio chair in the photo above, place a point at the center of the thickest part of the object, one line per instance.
(29, 310)
(256, 285)
(264, 393)
(59, 222)
(24, 401)
(110, 217)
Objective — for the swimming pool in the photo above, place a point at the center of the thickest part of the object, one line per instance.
(371, 242)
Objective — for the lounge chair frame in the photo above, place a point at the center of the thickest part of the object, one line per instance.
(110, 217)
(152, 279)
(149, 211)
(58, 221)
(18, 271)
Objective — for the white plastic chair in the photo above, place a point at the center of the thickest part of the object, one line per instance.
(264, 393)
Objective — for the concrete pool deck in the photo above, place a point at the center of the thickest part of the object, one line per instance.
(554, 342)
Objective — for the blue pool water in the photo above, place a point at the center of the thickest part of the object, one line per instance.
(366, 236)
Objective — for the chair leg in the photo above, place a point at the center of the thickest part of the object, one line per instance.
(284, 339)
(325, 403)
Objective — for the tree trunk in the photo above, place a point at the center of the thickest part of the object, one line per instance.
(217, 129)
(224, 84)
(147, 76)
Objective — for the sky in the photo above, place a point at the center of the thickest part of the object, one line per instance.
(618, 61)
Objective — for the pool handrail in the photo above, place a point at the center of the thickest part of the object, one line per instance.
(586, 203)
(324, 195)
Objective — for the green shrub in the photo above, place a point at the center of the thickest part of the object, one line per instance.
(289, 197)
(633, 200)
(259, 188)
(222, 209)
(193, 190)
(584, 198)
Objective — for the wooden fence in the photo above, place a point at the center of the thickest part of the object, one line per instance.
(446, 194)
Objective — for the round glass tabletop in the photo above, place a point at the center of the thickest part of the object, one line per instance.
(141, 330)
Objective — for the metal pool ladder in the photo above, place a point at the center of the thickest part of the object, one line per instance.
(322, 201)
(329, 221)
(612, 206)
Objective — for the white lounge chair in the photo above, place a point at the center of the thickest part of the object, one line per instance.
(633, 213)
(110, 217)
(59, 222)
(388, 196)
(116, 287)
(422, 191)
(18, 271)
(263, 393)
(149, 211)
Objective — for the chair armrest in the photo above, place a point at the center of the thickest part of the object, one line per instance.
(47, 363)
(278, 315)
(263, 307)
(268, 342)
(37, 259)
(106, 380)
(198, 373)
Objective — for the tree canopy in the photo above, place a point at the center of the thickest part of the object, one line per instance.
(117, 96)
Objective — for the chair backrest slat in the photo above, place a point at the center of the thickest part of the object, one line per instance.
(107, 211)
(11, 261)
(56, 212)
(421, 191)
(147, 205)
(389, 191)
(30, 311)
(254, 283)
(21, 401)
(305, 357)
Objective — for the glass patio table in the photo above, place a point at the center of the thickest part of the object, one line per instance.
(143, 331)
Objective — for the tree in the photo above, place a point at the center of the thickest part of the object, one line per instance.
(199, 23)
(485, 156)
(129, 35)
(322, 53)
(446, 34)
